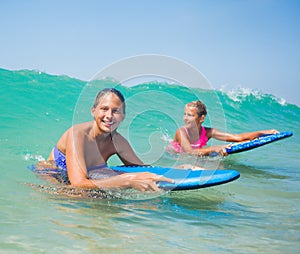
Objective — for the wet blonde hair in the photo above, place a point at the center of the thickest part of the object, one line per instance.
(200, 106)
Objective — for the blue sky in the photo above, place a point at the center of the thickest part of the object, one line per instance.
(249, 44)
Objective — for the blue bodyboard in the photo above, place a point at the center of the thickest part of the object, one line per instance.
(185, 179)
(263, 140)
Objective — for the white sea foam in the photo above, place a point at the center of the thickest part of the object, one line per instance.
(35, 157)
(240, 94)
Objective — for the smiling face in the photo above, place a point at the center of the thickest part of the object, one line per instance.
(191, 118)
(108, 113)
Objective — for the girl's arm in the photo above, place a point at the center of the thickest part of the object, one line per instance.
(229, 137)
(182, 138)
(77, 171)
(125, 151)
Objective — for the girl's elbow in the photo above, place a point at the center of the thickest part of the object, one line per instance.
(80, 182)
(76, 183)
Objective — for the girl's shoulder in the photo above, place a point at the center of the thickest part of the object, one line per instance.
(81, 126)
(116, 136)
(182, 130)
(179, 132)
(80, 130)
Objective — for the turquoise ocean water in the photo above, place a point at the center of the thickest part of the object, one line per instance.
(258, 213)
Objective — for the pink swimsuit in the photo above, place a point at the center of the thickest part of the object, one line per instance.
(198, 144)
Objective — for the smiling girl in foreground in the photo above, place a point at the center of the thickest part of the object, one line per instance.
(84, 149)
(192, 137)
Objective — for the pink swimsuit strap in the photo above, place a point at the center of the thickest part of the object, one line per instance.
(175, 146)
(202, 141)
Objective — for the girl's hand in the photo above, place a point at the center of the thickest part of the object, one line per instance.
(219, 149)
(266, 132)
(145, 181)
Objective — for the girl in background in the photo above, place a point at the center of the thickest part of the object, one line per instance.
(192, 138)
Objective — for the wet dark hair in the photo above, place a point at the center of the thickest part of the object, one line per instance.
(200, 106)
(107, 91)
